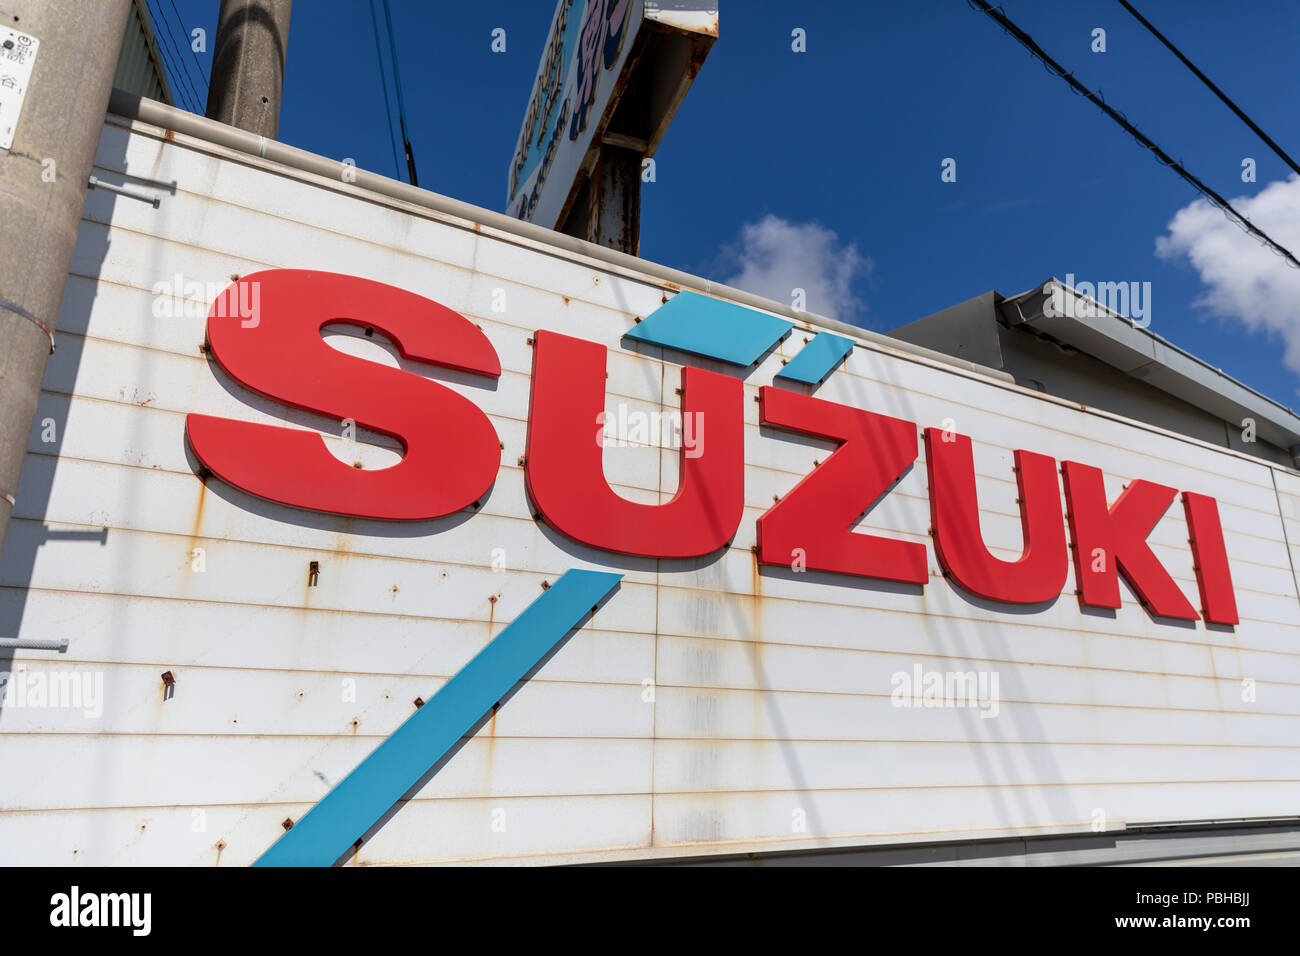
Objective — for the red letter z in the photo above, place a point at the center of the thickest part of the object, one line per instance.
(818, 515)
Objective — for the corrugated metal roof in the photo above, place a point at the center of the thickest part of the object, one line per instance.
(139, 65)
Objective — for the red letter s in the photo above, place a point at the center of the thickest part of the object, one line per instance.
(450, 450)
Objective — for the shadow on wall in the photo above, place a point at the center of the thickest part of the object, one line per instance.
(30, 530)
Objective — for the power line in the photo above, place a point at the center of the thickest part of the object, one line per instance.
(401, 105)
(177, 44)
(1217, 92)
(179, 89)
(188, 96)
(383, 82)
(194, 56)
(1056, 69)
(174, 61)
(167, 47)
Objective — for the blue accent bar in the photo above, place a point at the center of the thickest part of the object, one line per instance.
(817, 359)
(362, 798)
(702, 325)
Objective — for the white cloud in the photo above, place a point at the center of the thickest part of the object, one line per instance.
(1245, 280)
(773, 256)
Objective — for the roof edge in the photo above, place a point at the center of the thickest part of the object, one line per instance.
(1180, 373)
(131, 106)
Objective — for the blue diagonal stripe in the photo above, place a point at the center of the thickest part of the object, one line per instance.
(362, 798)
(706, 326)
(817, 359)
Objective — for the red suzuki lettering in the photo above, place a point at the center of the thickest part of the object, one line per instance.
(565, 474)
(1211, 556)
(816, 518)
(451, 455)
(1041, 570)
(450, 450)
(1112, 541)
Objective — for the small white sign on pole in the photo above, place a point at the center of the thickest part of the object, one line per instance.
(17, 57)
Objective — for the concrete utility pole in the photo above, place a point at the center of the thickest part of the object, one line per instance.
(42, 187)
(248, 64)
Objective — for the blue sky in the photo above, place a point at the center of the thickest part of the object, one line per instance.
(842, 146)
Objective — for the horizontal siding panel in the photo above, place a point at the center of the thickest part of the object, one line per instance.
(1110, 675)
(174, 634)
(761, 765)
(301, 769)
(238, 702)
(768, 819)
(786, 715)
(127, 562)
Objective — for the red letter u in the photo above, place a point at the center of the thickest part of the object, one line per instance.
(1041, 571)
(565, 461)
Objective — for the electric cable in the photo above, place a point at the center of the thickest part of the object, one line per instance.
(401, 104)
(1214, 89)
(1025, 40)
(383, 82)
(193, 56)
(166, 47)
